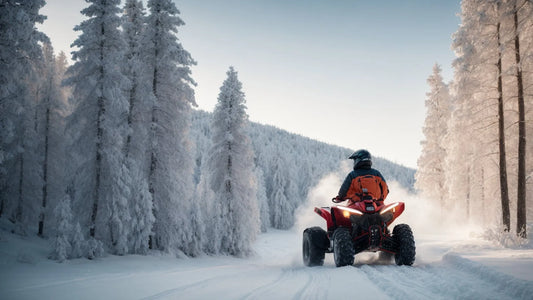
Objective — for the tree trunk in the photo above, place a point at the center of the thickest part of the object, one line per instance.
(133, 90)
(468, 192)
(19, 211)
(45, 170)
(99, 136)
(521, 193)
(504, 189)
(153, 163)
(152, 240)
(153, 157)
(2, 204)
(483, 216)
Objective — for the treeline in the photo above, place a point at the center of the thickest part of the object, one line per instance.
(478, 150)
(108, 155)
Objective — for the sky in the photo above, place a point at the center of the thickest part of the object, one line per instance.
(347, 72)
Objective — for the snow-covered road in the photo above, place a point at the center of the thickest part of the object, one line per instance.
(275, 272)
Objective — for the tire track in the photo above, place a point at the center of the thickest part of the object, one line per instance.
(313, 289)
(265, 291)
(220, 275)
(454, 277)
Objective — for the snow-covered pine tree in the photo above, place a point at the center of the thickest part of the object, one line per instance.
(140, 99)
(430, 176)
(262, 200)
(196, 220)
(19, 52)
(171, 162)
(139, 94)
(98, 126)
(526, 64)
(61, 242)
(60, 108)
(231, 168)
(522, 12)
(208, 230)
(52, 109)
(478, 138)
(281, 206)
(485, 132)
(68, 241)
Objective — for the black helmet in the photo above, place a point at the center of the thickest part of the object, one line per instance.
(361, 158)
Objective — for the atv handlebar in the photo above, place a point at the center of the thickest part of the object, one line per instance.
(337, 199)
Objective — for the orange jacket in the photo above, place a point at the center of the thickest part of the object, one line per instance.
(364, 183)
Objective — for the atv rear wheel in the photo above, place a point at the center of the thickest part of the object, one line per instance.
(315, 243)
(403, 236)
(343, 251)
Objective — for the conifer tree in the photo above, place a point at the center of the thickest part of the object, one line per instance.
(486, 145)
(527, 7)
(98, 128)
(171, 165)
(262, 200)
(68, 241)
(19, 54)
(231, 168)
(430, 176)
(140, 102)
(281, 206)
(51, 110)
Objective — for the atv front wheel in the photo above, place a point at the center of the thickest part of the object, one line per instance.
(403, 236)
(315, 243)
(343, 251)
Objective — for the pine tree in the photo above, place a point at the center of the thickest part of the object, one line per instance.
(521, 218)
(472, 140)
(19, 54)
(68, 241)
(98, 128)
(209, 230)
(281, 206)
(139, 96)
(171, 165)
(51, 108)
(430, 176)
(61, 243)
(264, 210)
(231, 169)
(488, 121)
(504, 186)
(140, 100)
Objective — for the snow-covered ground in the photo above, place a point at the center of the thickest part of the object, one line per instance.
(444, 269)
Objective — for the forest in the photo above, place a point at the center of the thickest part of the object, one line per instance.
(109, 154)
(477, 156)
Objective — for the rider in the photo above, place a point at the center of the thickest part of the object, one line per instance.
(363, 182)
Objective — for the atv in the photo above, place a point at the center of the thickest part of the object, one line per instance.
(360, 226)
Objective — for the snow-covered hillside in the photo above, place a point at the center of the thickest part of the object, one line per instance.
(290, 165)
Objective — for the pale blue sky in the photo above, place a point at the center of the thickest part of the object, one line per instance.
(350, 73)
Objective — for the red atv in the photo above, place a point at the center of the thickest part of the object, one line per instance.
(361, 226)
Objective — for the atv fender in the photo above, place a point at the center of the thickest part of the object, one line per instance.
(326, 214)
(394, 210)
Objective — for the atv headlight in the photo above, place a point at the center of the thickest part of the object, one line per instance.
(346, 211)
(392, 207)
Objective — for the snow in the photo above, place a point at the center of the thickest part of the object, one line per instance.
(454, 261)
(445, 268)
